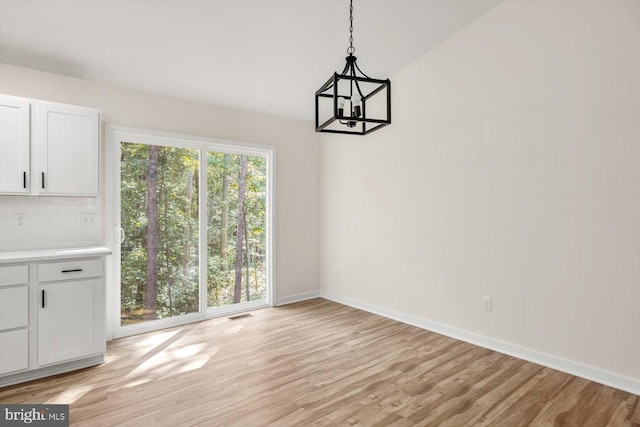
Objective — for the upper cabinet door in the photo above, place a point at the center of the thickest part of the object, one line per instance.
(14, 145)
(66, 150)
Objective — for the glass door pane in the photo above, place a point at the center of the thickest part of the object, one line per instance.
(159, 272)
(236, 236)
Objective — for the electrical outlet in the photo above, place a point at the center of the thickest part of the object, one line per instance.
(20, 222)
(88, 219)
(486, 303)
(90, 205)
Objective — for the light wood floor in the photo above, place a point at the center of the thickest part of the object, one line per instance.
(320, 363)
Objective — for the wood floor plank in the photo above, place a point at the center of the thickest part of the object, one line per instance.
(634, 415)
(546, 387)
(622, 414)
(319, 363)
(594, 407)
(481, 403)
(554, 412)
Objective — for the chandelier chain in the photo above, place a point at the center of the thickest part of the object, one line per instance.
(351, 49)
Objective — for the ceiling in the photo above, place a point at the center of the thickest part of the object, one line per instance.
(266, 56)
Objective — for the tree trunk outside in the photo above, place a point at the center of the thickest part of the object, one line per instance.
(139, 294)
(224, 220)
(246, 257)
(187, 231)
(242, 186)
(151, 300)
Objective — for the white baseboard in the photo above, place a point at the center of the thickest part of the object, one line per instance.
(297, 298)
(601, 376)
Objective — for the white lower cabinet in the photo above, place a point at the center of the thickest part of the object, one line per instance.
(52, 318)
(14, 307)
(70, 321)
(14, 318)
(14, 351)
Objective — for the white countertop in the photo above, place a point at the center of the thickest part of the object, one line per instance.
(52, 254)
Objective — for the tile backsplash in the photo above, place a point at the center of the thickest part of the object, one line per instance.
(28, 222)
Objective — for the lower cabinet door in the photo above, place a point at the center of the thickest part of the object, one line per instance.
(70, 320)
(14, 351)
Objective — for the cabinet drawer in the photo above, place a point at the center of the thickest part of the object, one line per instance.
(70, 270)
(14, 307)
(14, 275)
(14, 351)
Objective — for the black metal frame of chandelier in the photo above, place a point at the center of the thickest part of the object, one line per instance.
(333, 81)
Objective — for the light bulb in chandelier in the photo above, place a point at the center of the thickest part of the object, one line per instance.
(356, 109)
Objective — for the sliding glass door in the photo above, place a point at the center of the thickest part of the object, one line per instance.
(159, 260)
(236, 229)
(193, 224)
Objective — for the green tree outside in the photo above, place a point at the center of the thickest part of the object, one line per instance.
(176, 264)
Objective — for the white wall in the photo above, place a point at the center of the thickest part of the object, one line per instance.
(511, 170)
(297, 166)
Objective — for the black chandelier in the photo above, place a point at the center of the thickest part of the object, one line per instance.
(353, 102)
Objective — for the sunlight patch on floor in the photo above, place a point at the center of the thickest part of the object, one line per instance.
(153, 340)
(196, 363)
(176, 359)
(233, 330)
(67, 397)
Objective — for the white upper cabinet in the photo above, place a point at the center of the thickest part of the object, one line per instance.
(66, 150)
(48, 148)
(14, 145)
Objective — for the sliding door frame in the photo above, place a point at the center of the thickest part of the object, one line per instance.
(115, 135)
